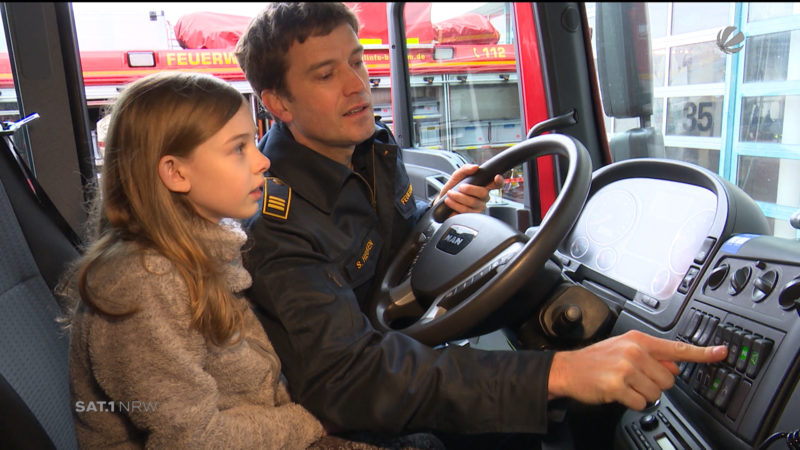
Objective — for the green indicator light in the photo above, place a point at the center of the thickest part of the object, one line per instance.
(743, 354)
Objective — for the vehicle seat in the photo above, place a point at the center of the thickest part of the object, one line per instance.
(34, 371)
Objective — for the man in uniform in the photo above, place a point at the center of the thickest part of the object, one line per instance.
(338, 205)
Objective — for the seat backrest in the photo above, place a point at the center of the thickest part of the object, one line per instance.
(34, 370)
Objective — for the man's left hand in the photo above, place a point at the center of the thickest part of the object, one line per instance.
(467, 197)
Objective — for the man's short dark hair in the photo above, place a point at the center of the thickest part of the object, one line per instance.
(261, 51)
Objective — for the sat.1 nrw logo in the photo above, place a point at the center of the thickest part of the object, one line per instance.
(730, 40)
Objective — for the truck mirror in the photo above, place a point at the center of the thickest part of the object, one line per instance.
(624, 64)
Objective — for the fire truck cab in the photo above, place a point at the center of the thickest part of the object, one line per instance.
(651, 185)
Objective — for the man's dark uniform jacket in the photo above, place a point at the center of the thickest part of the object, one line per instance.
(324, 237)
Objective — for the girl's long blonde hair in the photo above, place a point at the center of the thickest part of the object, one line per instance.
(162, 114)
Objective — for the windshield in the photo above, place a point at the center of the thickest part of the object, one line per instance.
(717, 84)
(725, 79)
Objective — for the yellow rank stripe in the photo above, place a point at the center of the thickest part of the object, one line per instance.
(276, 205)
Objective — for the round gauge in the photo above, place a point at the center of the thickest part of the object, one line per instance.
(611, 216)
(606, 259)
(579, 247)
(662, 284)
(688, 240)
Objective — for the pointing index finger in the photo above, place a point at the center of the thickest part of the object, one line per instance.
(667, 350)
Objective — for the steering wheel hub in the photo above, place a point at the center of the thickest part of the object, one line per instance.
(462, 245)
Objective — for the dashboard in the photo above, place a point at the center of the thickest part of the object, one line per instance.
(679, 253)
(643, 232)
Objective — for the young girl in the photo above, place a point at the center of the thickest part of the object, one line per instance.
(164, 350)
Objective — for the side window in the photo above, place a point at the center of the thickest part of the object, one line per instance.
(463, 78)
(9, 106)
(465, 98)
(9, 109)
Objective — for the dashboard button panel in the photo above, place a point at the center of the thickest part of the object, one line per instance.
(747, 301)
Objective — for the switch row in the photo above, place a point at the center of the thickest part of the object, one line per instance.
(699, 328)
(747, 351)
(723, 387)
(727, 383)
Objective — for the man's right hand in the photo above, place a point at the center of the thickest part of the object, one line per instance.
(467, 198)
(631, 369)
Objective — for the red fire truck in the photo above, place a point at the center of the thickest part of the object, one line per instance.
(455, 64)
(459, 47)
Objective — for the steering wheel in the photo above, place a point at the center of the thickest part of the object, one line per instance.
(455, 270)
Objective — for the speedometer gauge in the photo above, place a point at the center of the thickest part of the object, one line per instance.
(611, 217)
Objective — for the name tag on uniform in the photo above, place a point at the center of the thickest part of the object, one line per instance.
(363, 260)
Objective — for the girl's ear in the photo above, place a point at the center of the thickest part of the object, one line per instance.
(277, 105)
(170, 170)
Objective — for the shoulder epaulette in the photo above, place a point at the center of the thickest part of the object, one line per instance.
(277, 198)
